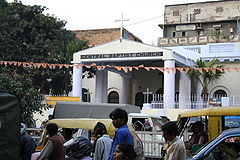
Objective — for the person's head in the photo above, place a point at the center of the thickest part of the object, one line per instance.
(198, 126)
(170, 131)
(99, 130)
(52, 129)
(119, 117)
(124, 151)
(80, 147)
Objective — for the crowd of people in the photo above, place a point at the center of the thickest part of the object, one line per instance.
(81, 148)
(102, 147)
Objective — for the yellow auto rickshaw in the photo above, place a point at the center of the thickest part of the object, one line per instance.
(215, 119)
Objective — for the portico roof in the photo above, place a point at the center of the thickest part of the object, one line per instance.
(124, 50)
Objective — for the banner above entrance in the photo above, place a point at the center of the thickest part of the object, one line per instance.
(121, 55)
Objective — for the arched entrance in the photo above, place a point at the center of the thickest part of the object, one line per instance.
(220, 93)
(113, 97)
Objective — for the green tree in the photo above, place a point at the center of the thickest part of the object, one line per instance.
(27, 35)
(205, 77)
(21, 85)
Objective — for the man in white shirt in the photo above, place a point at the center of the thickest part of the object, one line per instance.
(175, 148)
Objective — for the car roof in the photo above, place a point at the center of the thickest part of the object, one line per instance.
(231, 131)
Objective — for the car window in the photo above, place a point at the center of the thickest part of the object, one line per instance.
(231, 122)
(228, 148)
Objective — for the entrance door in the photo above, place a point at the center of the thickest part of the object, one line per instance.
(139, 99)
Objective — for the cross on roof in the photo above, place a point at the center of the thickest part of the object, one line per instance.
(121, 28)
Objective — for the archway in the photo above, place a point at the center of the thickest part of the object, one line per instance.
(220, 93)
(113, 97)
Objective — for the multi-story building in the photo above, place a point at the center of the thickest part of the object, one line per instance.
(206, 30)
(201, 23)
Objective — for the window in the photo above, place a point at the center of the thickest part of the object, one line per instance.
(219, 9)
(176, 13)
(173, 34)
(197, 11)
(113, 97)
(184, 34)
(227, 148)
(231, 122)
(200, 33)
(220, 93)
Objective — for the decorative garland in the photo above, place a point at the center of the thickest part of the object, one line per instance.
(119, 68)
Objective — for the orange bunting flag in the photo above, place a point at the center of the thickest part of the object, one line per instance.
(93, 64)
(213, 70)
(99, 68)
(153, 68)
(10, 62)
(228, 69)
(160, 69)
(200, 70)
(119, 68)
(147, 68)
(125, 69)
(67, 65)
(15, 63)
(136, 68)
(44, 65)
(180, 69)
(5, 62)
(237, 69)
(88, 66)
(220, 69)
(186, 69)
(141, 66)
(19, 64)
(38, 65)
(207, 69)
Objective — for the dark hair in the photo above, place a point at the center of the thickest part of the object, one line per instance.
(170, 127)
(99, 129)
(199, 124)
(127, 150)
(52, 128)
(119, 113)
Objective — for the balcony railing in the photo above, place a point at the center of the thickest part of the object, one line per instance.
(196, 40)
(194, 101)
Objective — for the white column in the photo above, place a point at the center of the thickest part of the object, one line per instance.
(123, 90)
(184, 91)
(98, 88)
(77, 82)
(105, 86)
(101, 86)
(169, 85)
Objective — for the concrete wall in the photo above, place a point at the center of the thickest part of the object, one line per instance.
(202, 12)
(229, 82)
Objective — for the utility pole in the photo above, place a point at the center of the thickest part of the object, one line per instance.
(121, 28)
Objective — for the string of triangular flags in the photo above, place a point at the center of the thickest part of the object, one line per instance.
(119, 68)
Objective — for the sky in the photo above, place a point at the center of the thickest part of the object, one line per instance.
(144, 15)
